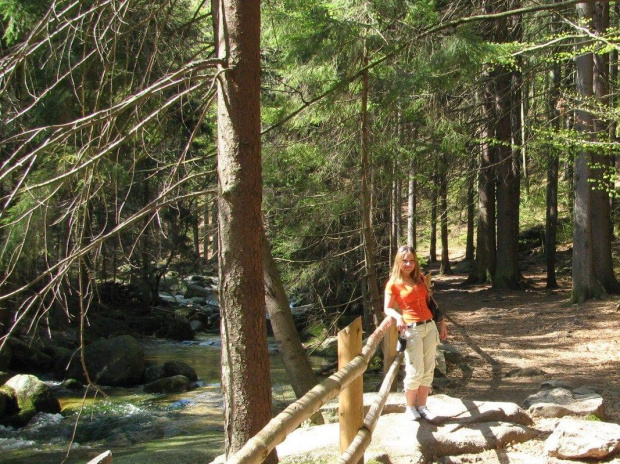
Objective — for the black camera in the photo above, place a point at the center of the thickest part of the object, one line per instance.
(401, 345)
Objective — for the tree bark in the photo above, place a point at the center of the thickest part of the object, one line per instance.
(443, 219)
(584, 281)
(551, 219)
(368, 236)
(245, 361)
(484, 265)
(411, 208)
(294, 357)
(432, 252)
(469, 244)
(602, 166)
(507, 255)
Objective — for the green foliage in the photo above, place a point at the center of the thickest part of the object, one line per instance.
(18, 16)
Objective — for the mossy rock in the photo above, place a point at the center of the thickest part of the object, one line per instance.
(8, 402)
(33, 394)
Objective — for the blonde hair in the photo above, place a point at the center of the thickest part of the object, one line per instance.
(396, 275)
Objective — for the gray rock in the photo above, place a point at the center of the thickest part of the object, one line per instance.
(440, 363)
(560, 402)
(8, 403)
(168, 298)
(33, 394)
(153, 373)
(196, 325)
(176, 384)
(579, 439)
(173, 368)
(6, 354)
(27, 355)
(115, 362)
(454, 439)
(194, 290)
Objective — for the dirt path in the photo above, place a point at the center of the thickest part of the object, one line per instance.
(515, 340)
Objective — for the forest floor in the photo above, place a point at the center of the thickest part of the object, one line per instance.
(515, 340)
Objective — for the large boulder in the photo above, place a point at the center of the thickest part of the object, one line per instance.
(8, 402)
(28, 356)
(560, 402)
(579, 439)
(115, 362)
(6, 354)
(176, 329)
(175, 384)
(31, 393)
(172, 368)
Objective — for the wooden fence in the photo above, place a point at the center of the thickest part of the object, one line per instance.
(257, 449)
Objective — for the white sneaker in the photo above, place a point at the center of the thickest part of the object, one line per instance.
(412, 413)
(426, 414)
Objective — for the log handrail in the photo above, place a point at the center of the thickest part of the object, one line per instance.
(256, 450)
(356, 449)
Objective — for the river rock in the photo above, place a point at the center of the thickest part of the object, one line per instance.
(6, 354)
(115, 362)
(31, 393)
(153, 373)
(176, 329)
(8, 402)
(174, 368)
(196, 325)
(4, 376)
(26, 355)
(560, 402)
(194, 290)
(176, 384)
(579, 439)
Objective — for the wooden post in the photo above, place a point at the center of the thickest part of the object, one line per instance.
(351, 399)
(389, 352)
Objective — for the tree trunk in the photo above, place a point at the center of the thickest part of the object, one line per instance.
(443, 194)
(613, 127)
(584, 281)
(205, 229)
(551, 220)
(411, 208)
(396, 206)
(507, 255)
(294, 357)
(469, 244)
(196, 231)
(368, 236)
(245, 361)
(602, 166)
(484, 265)
(432, 252)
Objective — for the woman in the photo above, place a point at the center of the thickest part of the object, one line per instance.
(406, 290)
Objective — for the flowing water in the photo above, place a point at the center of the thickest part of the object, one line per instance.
(138, 427)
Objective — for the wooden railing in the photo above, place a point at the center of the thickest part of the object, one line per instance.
(352, 447)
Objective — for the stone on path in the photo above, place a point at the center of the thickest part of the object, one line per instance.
(560, 402)
(580, 439)
(465, 426)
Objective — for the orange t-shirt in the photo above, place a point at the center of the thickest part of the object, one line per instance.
(411, 301)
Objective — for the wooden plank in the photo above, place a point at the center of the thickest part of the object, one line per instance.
(351, 399)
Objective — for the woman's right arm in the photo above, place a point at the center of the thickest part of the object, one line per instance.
(389, 302)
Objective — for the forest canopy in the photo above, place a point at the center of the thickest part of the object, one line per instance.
(463, 123)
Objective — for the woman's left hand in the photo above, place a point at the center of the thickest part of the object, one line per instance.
(443, 331)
